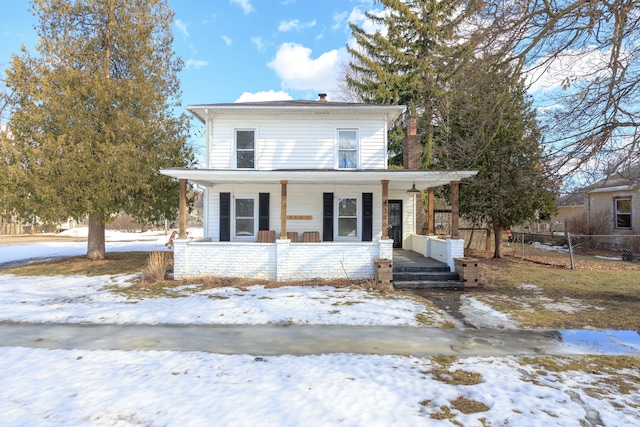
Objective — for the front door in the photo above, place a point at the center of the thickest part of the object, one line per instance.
(395, 222)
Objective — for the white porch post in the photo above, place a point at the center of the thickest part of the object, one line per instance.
(386, 248)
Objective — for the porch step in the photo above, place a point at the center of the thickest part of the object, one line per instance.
(414, 271)
(429, 284)
(410, 276)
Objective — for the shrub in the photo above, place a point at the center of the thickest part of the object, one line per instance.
(156, 267)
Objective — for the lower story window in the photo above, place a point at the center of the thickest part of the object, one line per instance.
(347, 217)
(623, 212)
(245, 217)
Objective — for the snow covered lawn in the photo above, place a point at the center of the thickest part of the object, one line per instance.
(115, 388)
(43, 387)
(104, 299)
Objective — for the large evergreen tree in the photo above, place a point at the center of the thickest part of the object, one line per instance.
(492, 128)
(408, 59)
(473, 106)
(93, 119)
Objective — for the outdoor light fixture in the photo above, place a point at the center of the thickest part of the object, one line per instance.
(413, 189)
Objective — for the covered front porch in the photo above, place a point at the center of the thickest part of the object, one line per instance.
(335, 254)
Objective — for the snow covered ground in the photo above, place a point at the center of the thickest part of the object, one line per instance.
(43, 387)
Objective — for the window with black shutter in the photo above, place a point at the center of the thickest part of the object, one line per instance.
(225, 217)
(327, 217)
(367, 217)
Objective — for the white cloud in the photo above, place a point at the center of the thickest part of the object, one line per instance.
(294, 65)
(339, 19)
(195, 63)
(182, 27)
(257, 41)
(270, 95)
(246, 6)
(295, 24)
(227, 40)
(568, 67)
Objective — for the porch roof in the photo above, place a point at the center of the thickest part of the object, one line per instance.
(398, 179)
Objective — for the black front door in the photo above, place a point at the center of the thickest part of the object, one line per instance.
(395, 222)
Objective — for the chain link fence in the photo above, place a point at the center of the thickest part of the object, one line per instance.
(575, 251)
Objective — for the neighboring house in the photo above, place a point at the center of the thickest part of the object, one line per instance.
(297, 190)
(610, 206)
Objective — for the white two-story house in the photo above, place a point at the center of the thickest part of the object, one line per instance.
(297, 190)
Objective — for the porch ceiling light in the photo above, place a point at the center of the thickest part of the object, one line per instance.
(413, 189)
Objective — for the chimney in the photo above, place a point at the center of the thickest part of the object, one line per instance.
(323, 97)
(411, 149)
(412, 125)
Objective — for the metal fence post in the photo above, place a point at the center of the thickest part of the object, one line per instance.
(570, 251)
(522, 238)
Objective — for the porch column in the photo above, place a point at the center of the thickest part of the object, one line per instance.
(455, 191)
(283, 209)
(431, 212)
(385, 208)
(182, 210)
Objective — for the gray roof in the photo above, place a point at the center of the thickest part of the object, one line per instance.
(287, 103)
(299, 106)
(630, 177)
(572, 199)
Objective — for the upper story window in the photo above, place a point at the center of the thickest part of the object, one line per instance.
(347, 149)
(245, 149)
(622, 213)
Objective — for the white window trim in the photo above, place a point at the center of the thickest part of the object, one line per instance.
(337, 149)
(235, 148)
(336, 219)
(615, 212)
(234, 218)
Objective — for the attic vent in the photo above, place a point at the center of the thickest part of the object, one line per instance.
(323, 97)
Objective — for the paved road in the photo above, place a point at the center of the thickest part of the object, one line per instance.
(294, 339)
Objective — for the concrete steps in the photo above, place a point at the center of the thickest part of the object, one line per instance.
(425, 277)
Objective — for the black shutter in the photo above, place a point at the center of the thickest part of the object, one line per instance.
(327, 217)
(367, 217)
(263, 211)
(225, 217)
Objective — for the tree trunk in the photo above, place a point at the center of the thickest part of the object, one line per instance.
(497, 231)
(95, 241)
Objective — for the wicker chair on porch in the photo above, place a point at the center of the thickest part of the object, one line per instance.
(266, 236)
(293, 236)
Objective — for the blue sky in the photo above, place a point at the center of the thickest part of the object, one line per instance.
(239, 49)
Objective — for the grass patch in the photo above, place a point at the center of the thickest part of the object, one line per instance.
(468, 406)
(619, 373)
(458, 377)
(600, 297)
(116, 263)
(593, 364)
(442, 372)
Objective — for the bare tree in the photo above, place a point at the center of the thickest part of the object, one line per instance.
(585, 54)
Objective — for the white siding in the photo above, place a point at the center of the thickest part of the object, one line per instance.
(296, 142)
(301, 200)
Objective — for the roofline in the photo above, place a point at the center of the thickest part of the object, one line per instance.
(398, 179)
(302, 107)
